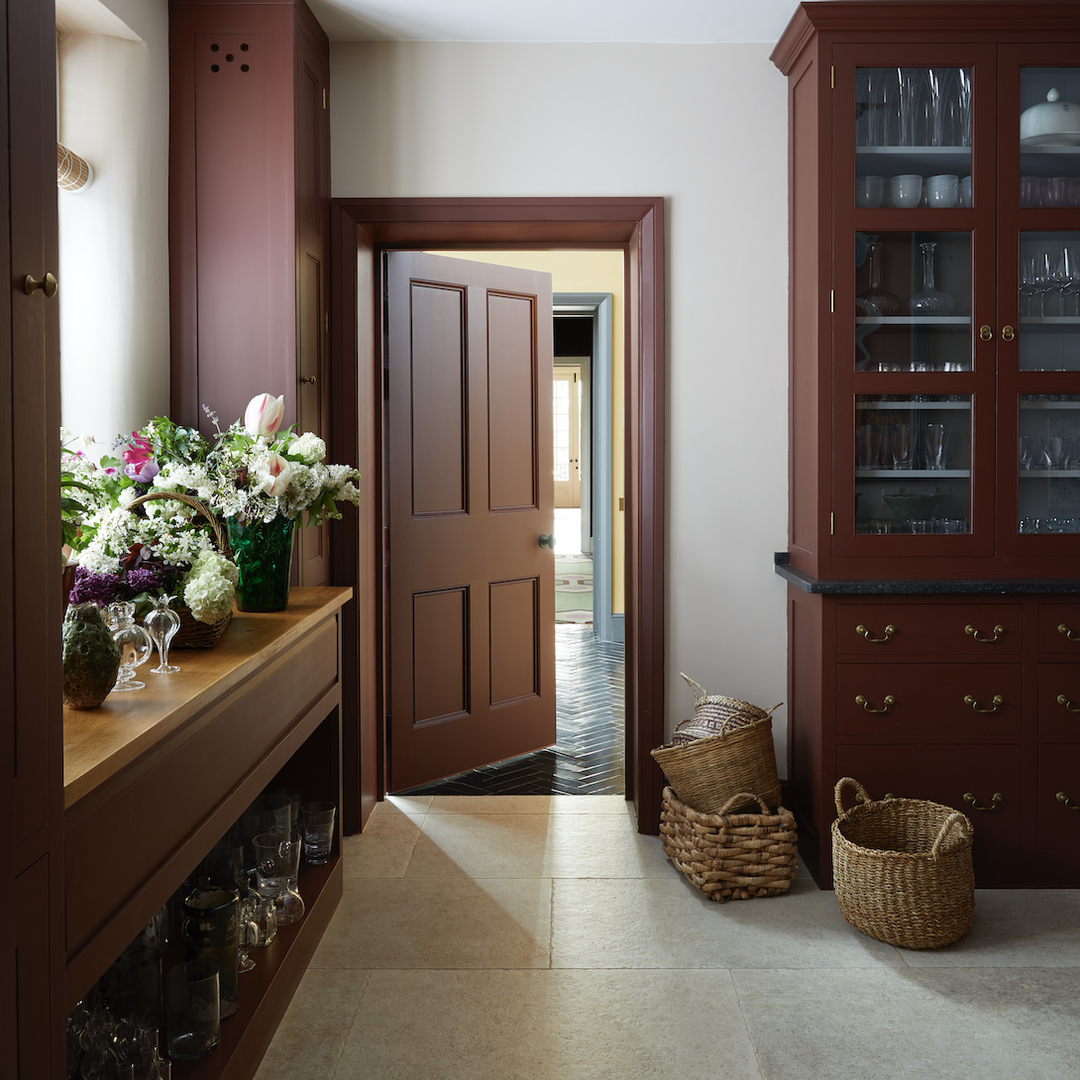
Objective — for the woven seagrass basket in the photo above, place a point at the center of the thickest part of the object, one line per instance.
(715, 715)
(902, 869)
(730, 856)
(192, 633)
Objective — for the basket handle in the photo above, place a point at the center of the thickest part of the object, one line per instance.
(965, 830)
(696, 688)
(219, 533)
(740, 798)
(838, 793)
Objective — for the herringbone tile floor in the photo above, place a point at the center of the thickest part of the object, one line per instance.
(587, 758)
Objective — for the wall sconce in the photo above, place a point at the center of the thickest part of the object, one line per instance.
(72, 172)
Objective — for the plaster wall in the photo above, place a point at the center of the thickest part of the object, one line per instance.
(705, 126)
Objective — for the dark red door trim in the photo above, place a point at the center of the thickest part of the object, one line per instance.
(361, 229)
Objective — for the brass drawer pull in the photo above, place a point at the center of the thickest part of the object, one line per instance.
(997, 701)
(1064, 800)
(865, 631)
(997, 800)
(973, 631)
(1063, 629)
(888, 703)
(1071, 706)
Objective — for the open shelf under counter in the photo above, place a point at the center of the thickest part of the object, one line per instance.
(154, 778)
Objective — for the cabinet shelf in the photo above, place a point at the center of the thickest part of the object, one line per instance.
(900, 475)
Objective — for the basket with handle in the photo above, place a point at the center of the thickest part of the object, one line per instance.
(730, 856)
(902, 869)
(715, 715)
(192, 633)
(706, 770)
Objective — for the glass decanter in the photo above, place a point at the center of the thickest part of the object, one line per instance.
(885, 302)
(930, 301)
(162, 623)
(134, 641)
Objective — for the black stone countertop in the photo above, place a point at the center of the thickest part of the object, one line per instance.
(922, 586)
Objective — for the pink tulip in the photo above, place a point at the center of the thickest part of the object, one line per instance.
(263, 415)
(139, 459)
(274, 472)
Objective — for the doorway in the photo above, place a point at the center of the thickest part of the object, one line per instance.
(361, 230)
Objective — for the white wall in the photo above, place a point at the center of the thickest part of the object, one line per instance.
(114, 270)
(705, 126)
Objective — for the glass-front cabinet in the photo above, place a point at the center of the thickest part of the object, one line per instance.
(955, 306)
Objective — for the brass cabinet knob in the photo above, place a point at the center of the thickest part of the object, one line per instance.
(985, 333)
(48, 285)
(1007, 333)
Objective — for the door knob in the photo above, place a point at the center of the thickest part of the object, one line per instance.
(547, 541)
(48, 285)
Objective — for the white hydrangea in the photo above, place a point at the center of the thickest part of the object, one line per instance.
(209, 586)
(309, 448)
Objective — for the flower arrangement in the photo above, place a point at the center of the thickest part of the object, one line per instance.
(249, 473)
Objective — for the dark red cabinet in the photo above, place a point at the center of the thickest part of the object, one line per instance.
(934, 404)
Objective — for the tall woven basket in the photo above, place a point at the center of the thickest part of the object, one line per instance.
(192, 633)
(902, 869)
(730, 856)
(724, 749)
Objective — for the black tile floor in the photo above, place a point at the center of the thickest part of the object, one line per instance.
(587, 758)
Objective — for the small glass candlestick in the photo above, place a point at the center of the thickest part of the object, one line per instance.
(134, 641)
(162, 624)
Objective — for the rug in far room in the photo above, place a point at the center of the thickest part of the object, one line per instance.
(573, 589)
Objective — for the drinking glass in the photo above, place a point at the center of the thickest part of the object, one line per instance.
(1064, 275)
(936, 445)
(277, 868)
(192, 1012)
(318, 831)
(900, 445)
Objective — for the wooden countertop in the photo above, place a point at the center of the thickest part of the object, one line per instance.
(100, 743)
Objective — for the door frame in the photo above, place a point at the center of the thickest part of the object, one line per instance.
(608, 626)
(360, 230)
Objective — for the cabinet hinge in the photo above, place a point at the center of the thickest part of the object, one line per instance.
(832, 524)
(832, 77)
(324, 97)
(832, 301)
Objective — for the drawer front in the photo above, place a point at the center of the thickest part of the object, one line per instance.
(945, 774)
(929, 699)
(1059, 628)
(1059, 700)
(1057, 806)
(981, 631)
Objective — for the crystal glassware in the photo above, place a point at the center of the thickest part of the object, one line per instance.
(930, 300)
(885, 302)
(161, 624)
(134, 642)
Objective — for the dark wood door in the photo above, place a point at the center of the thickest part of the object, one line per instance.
(470, 493)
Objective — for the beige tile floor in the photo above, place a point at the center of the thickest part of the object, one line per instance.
(541, 937)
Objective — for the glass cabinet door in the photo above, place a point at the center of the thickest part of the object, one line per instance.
(1048, 464)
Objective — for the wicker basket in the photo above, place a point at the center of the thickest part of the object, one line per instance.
(193, 634)
(715, 715)
(902, 869)
(705, 773)
(730, 856)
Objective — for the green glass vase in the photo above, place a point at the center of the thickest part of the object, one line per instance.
(262, 551)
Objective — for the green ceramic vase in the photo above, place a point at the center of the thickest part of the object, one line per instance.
(91, 657)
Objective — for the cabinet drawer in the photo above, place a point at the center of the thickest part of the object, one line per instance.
(1058, 819)
(1059, 700)
(945, 774)
(959, 629)
(1059, 628)
(929, 699)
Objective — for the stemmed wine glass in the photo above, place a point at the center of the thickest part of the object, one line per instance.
(1043, 279)
(1028, 286)
(162, 623)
